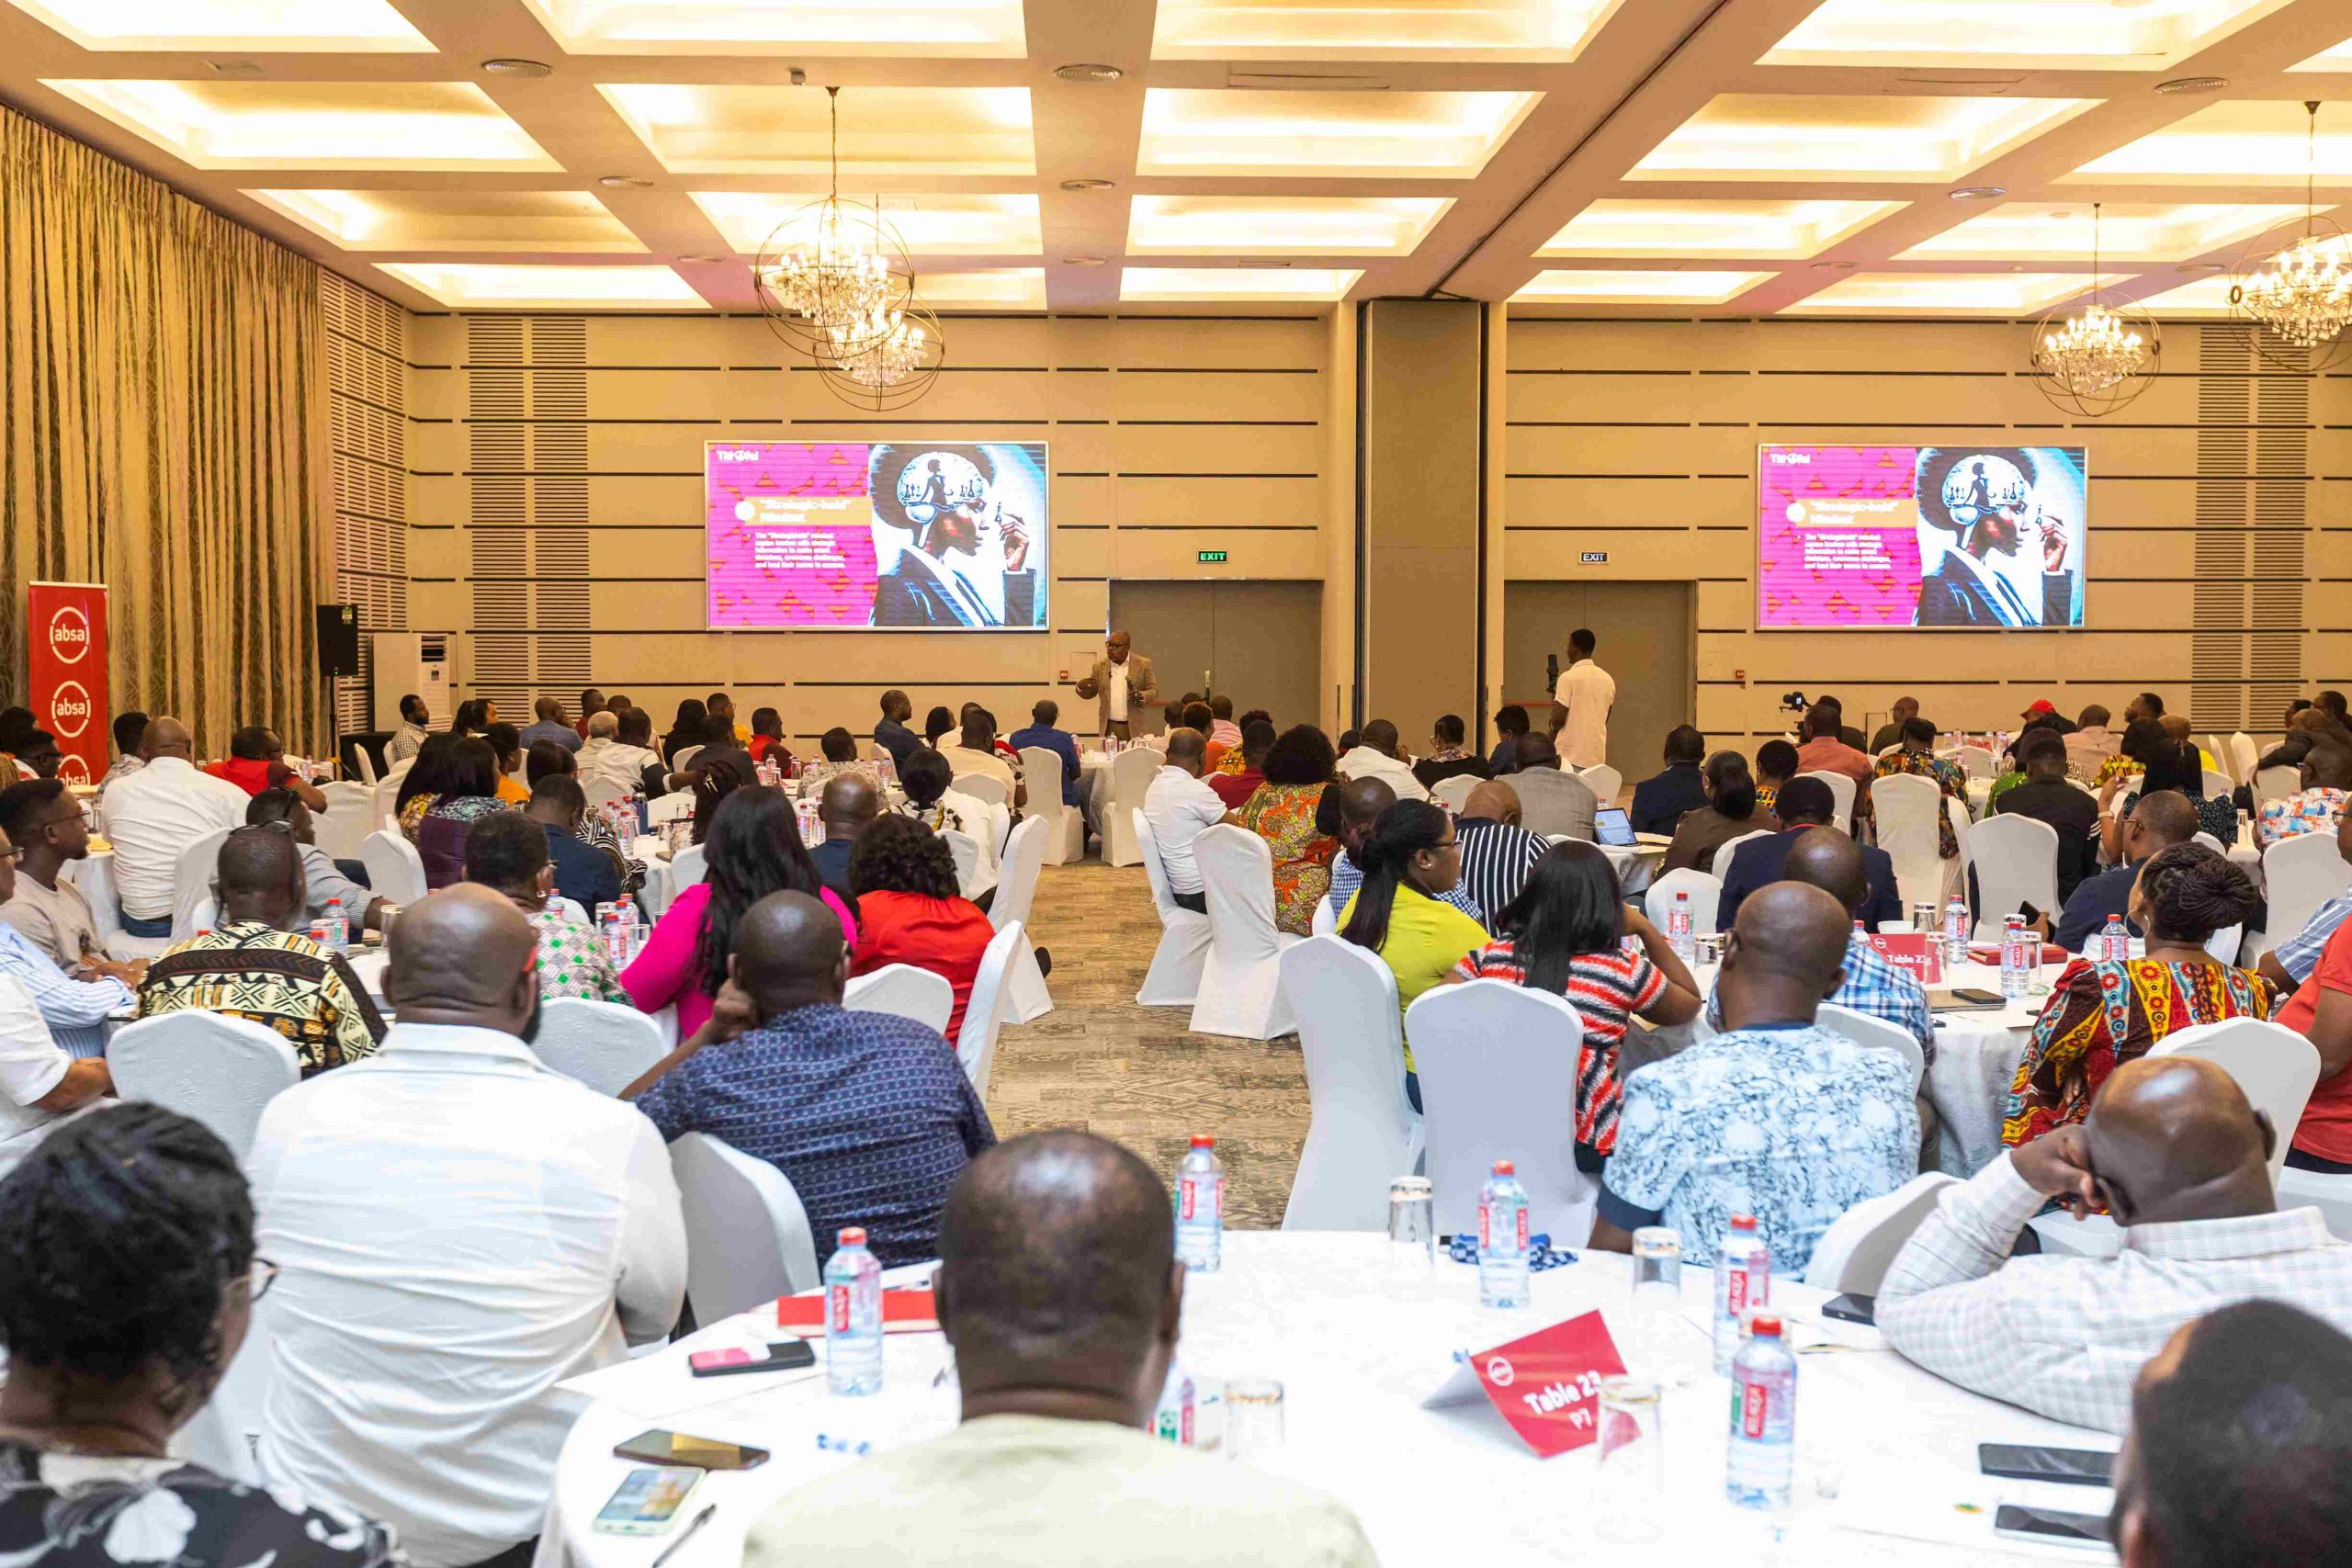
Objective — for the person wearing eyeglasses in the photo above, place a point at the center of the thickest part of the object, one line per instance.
(116, 1339)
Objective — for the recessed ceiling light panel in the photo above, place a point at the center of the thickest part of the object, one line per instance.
(1786, 230)
(986, 29)
(421, 126)
(1781, 137)
(2132, 232)
(2009, 294)
(468, 285)
(1300, 135)
(2029, 35)
(1505, 31)
(1179, 284)
(264, 26)
(1660, 286)
(451, 218)
(932, 225)
(2232, 144)
(768, 129)
(1293, 225)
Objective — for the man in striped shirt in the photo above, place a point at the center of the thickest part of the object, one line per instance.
(1355, 804)
(1497, 852)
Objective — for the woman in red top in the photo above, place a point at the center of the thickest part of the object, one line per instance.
(909, 912)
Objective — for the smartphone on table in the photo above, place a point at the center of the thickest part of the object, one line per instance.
(783, 1355)
(657, 1447)
(647, 1501)
(2052, 1527)
(2033, 1462)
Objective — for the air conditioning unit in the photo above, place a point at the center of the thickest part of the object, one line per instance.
(422, 662)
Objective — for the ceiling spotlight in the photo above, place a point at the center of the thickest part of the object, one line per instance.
(528, 69)
(1835, 265)
(2193, 85)
(234, 67)
(1089, 73)
(1090, 184)
(1978, 193)
(702, 260)
(624, 182)
(1085, 261)
(2201, 267)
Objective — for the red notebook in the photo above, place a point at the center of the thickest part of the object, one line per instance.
(903, 1312)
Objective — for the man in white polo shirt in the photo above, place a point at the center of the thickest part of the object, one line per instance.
(1179, 808)
(1580, 706)
(154, 815)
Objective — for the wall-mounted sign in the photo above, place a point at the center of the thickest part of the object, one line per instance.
(1211, 558)
(1595, 557)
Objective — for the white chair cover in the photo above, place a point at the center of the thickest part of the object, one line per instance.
(687, 867)
(747, 1240)
(2299, 875)
(388, 790)
(675, 807)
(2331, 1195)
(1174, 979)
(1131, 775)
(1841, 790)
(602, 1044)
(986, 788)
(94, 877)
(217, 1069)
(192, 878)
(350, 817)
(910, 992)
(222, 1435)
(1706, 892)
(684, 759)
(395, 871)
(984, 1014)
(603, 788)
(1362, 1132)
(1454, 792)
(1854, 1254)
(1604, 781)
(1907, 807)
(366, 759)
(1864, 1029)
(2276, 784)
(1064, 824)
(2219, 785)
(2274, 1068)
(965, 850)
(1725, 852)
(1016, 891)
(1325, 921)
(2241, 757)
(2223, 945)
(2210, 842)
(2016, 863)
(1240, 991)
(1498, 1065)
(1977, 761)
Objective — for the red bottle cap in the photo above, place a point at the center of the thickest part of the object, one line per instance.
(1202, 1141)
(852, 1235)
(1764, 1326)
(1743, 1222)
(1504, 1167)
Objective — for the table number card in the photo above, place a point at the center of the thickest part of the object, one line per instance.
(1918, 951)
(1545, 1386)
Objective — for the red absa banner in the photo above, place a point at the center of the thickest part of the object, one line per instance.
(66, 659)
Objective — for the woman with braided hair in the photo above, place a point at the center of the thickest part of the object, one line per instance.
(2104, 1014)
(1409, 858)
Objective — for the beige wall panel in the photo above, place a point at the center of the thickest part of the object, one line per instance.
(1087, 499)
(675, 499)
(642, 604)
(1078, 607)
(1603, 399)
(1081, 448)
(666, 395)
(672, 451)
(1629, 449)
(1800, 656)
(1166, 395)
(437, 552)
(2330, 561)
(686, 338)
(1603, 502)
(436, 605)
(1286, 553)
(1146, 342)
(435, 498)
(1214, 450)
(431, 392)
(436, 446)
(634, 554)
(1665, 555)
(1081, 552)
(437, 338)
(1201, 500)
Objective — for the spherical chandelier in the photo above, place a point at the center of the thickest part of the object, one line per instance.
(897, 359)
(2299, 294)
(2096, 359)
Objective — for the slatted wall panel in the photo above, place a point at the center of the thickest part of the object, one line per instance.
(562, 497)
(368, 452)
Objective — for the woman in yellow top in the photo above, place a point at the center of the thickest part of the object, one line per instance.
(1409, 858)
(506, 741)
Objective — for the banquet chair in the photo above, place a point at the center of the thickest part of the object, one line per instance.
(2016, 860)
(984, 788)
(1724, 853)
(2330, 1194)
(1026, 996)
(2273, 1065)
(748, 1239)
(603, 789)
(603, 1045)
(965, 850)
(388, 790)
(1361, 1132)
(2275, 784)
(684, 759)
(2299, 875)
(2241, 757)
(223, 1435)
(1453, 793)
(1131, 774)
(218, 1070)
(1866, 1029)
(1605, 781)
(350, 817)
(1841, 790)
(395, 870)
(94, 877)
(984, 1014)
(910, 992)
(678, 806)
(1854, 1254)
(1706, 892)
(367, 759)
(192, 876)
(1498, 1064)
(2224, 945)
(1325, 921)
(1065, 823)
(1977, 761)
(1240, 993)
(1174, 977)
(2210, 842)
(1905, 806)
(687, 867)
(2219, 785)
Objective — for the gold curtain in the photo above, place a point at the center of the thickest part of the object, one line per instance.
(161, 425)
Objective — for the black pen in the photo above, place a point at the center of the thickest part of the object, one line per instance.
(687, 1534)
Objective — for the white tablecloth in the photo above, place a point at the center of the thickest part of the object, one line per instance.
(1887, 1469)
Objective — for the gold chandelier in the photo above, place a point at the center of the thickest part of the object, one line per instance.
(2095, 361)
(2300, 295)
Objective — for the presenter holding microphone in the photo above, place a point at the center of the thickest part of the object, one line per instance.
(1123, 685)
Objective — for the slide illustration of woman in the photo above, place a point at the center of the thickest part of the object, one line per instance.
(968, 566)
(1991, 499)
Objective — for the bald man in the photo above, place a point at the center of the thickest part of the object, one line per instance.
(2158, 819)
(548, 724)
(1498, 854)
(1775, 1117)
(1347, 811)
(868, 1114)
(1060, 1291)
(2173, 1153)
(1378, 754)
(152, 816)
(847, 807)
(454, 1204)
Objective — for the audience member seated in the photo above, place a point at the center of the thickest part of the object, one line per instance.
(471, 794)
(1565, 934)
(2177, 731)
(590, 827)
(592, 702)
(585, 875)
(1284, 811)
(847, 808)
(839, 749)
(2101, 1014)
(2290, 963)
(128, 726)
(977, 755)
(1351, 808)
(74, 1001)
(474, 717)
(2173, 1151)
(1448, 758)
(1805, 803)
(1179, 806)
(2091, 744)
(753, 849)
(1819, 749)
(1510, 723)
(689, 727)
(2170, 765)
(16, 727)
(1410, 857)
(506, 744)
(1660, 800)
(711, 789)
(1776, 1117)
(2042, 711)
(937, 724)
(766, 744)
(508, 853)
(2046, 796)
(1042, 734)
(598, 764)
(1552, 802)
(428, 778)
(2158, 819)
(931, 802)
(1060, 1293)
(1890, 734)
(2141, 739)
(1776, 765)
(457, 1228)
(257, 762)
(154, 815)
(1831, 860)
(1237, 784)
(719, 749)
(890, 731)
(40, 1082)
(2307, 729)
(1498, 854)
(1728, 812)
(127, 1241)
(323, 881)
(1377, 755)
(549, 726)
(903, 883)
(1917, 757)
(2321, 1010)
(1197, 715)
(2327, 775)
(416, 724)
(633, 746)
(868, 1114)
(718, 704)
(43, 823)
(255, 966)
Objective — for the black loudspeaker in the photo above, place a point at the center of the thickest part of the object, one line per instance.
(338, 639)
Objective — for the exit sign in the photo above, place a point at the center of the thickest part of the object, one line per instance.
(1211, 558)
(1595, 557)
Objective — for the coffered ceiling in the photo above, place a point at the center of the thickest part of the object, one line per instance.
(1710, 157)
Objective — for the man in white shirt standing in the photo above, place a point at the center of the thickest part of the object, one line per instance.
(457, 1230)
(1377, 755)
(1580, 706)
(1178, 805)
(1124, 686)
(154, 815)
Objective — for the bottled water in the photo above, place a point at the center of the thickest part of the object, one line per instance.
(555, 903)
(616, 935)
(1200, 1206)
(1763, 1456)
(1678, 934)
(1171, 1419)
(2020, 957)
(338, 927)
(854, 1316)
(1502, 1239)
(1742, 1283)
(1956, 931)
(2115, 940)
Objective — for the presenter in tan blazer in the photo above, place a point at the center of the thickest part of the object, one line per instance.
(1123, 686)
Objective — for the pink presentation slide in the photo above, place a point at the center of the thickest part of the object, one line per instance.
(789, 533)
(1838, 541)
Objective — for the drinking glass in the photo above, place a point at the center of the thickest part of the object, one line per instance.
(1412, 1231)
(1633, 1459)
(1654, 1316)
(1253, 1417)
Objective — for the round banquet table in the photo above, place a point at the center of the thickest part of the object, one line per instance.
(1887, 1469)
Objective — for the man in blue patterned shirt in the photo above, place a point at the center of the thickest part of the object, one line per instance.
(1356, 804)
(1776, 1118)
(869, 1114)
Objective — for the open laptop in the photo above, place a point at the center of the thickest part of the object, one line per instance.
(1612, 827)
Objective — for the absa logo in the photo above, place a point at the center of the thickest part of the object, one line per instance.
(69, 710)
(69, 634)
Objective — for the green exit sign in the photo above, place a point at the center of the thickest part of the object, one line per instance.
(1211, 558)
